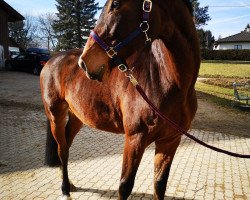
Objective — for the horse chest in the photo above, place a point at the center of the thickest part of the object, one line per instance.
(102, 115)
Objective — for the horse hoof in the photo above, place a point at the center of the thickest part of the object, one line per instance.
(66, 197)
(72, 188)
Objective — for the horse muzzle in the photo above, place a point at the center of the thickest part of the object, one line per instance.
(93, 76)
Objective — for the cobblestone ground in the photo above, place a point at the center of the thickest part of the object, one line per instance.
(96, 157)
(95, 164)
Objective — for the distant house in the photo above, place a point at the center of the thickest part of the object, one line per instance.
(7, 14)
(238, 41)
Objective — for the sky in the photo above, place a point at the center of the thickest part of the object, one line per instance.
(229, 17)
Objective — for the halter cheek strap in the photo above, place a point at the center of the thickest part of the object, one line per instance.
(113, 51)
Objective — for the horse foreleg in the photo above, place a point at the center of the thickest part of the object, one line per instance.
(72, 186)
(58, 130)
(133, 151)
(164, 154)
(72, 128)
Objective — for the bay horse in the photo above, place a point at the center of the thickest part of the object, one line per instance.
(88, 87)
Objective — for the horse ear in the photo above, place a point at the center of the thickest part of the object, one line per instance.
(190, 6)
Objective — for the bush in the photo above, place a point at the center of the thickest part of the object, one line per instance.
(242, 55)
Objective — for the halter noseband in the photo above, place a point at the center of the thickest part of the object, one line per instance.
(113, 51)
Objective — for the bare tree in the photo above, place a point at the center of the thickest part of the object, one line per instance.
(46, 30)
(24, 32)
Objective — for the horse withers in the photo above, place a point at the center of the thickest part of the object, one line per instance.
(154, 40)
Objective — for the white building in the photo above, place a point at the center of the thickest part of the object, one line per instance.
(238, 41)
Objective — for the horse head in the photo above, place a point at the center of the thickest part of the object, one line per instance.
(129, 22)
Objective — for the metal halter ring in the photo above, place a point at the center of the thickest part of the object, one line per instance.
(111, 52)
(122, 68)
(144, 26)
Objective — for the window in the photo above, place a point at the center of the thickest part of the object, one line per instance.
(21, 57)
(237, 47)
(31, 57)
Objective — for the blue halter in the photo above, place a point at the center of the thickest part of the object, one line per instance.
(113, 51)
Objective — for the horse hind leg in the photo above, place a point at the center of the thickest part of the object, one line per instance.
(164, 154)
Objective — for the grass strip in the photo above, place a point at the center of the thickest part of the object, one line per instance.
(224, 70)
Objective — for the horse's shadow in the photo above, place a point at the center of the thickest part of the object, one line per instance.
(107, 194)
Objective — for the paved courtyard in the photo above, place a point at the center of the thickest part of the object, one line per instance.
(96, 157)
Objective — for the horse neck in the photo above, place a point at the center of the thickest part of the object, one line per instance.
(166, 65)
(174, 57)
(183, 58)
(182, 46)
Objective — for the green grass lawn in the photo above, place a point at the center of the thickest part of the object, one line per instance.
(229, 70)
(215, 90)
(222, 74)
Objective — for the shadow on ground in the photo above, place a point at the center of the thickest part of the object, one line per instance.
(113, 193)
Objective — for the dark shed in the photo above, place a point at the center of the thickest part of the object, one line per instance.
(7, 14)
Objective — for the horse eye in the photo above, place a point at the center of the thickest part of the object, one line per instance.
(115, 4)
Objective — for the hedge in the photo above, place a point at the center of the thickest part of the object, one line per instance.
(242, 55)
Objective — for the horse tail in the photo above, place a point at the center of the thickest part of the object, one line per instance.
(51, 153)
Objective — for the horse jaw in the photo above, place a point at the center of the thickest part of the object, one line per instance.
(94, 68)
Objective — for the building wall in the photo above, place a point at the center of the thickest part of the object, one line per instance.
(225, 46)
(4, 37)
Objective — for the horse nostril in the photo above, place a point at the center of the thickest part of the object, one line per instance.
(92, 76)
(82, 64)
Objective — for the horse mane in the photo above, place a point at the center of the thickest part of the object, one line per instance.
(190, 6)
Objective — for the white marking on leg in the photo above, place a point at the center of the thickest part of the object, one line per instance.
(66, 197)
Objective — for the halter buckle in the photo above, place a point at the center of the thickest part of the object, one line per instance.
(111, 53)
(147, 6)
(122, 68)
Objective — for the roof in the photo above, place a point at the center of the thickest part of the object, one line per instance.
(12, 14)
(244, 36)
